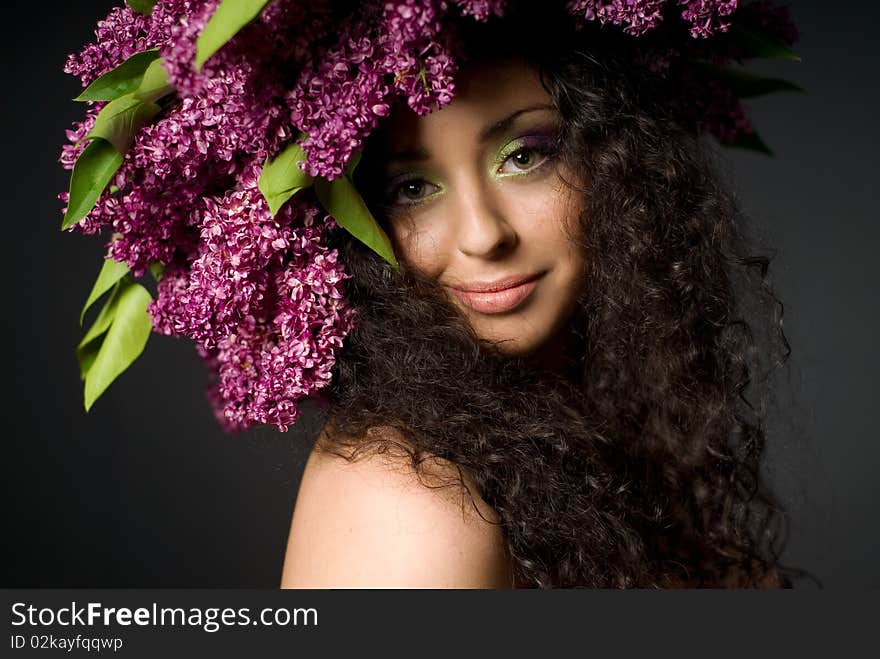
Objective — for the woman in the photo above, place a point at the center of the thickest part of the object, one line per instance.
(585, 410)
(534, 338)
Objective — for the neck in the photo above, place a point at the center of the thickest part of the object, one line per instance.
(561, 354)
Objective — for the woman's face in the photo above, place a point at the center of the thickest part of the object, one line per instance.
(475, 200)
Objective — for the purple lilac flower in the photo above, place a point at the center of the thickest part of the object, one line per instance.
(772, 21)
(714, 107)
(337, 103)
(639, 16)
(121, 34)
(417, 53)
(722, 114)
(227, 280)
(70, 152)
(200, 143)
(179, 49)
(345, 90)
(481, 9)
(775, 20)
(635, 16)
(707, 16)
(231, 270)
(263, 300)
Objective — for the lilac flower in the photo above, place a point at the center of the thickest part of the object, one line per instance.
(639, 16)
(772, 20)
(70, 152)
(231, 269)
(635, 16)
(346, 89)
(417, 53)
(481, 9)
(337, 103)
(240, 242)
(762, 16)
(707, 16)
(264, 299)
(437, 88)
(179, 50)
(200, 143)
(722, 114)
(121, 34)
(264, 366)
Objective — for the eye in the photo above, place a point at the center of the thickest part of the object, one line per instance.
(523, 160)
(412, 191)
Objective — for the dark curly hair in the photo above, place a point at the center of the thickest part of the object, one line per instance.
(640, 466)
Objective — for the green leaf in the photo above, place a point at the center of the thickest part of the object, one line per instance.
(85, 357)
(120, 120)
(229, 17)
(88, 348)
(105, 317)
(756, 44)
(115, 128)
(94, 168)
(281, 178)
(353, 162)
(157, 270)
(340, 198)
(124, 342)
(154, 84)
(122, 80)
(111, 272)
(752, 142)
(142, 6)
(748, 85)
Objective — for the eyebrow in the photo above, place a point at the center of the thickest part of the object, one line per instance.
(487, 134)
(499, 127)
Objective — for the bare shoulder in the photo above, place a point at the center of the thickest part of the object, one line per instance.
(373, 523)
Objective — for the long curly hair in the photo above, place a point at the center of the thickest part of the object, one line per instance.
(640, 466)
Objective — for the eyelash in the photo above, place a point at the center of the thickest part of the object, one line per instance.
(543, 151)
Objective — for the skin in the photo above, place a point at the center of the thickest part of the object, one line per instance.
(472, 195)
(374, 523)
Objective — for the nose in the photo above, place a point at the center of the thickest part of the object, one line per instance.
(483, 226)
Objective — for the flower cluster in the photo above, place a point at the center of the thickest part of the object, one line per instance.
(636, 17)
(264, 301)
(119, 36)
(263, 297)
(708, 16)
(481, 9)
(712, 105)
(400, 49)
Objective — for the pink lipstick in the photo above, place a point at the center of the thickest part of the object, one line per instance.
(496, 297)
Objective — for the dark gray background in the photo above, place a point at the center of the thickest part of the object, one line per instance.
(146, 491)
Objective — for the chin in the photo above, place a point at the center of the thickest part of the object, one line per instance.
(510, 341)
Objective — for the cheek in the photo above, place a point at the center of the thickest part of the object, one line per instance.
(420, 244)
(549, 215)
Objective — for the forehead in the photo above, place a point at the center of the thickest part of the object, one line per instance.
(486, 91)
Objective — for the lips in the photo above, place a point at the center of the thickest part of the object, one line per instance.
(498, 296)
